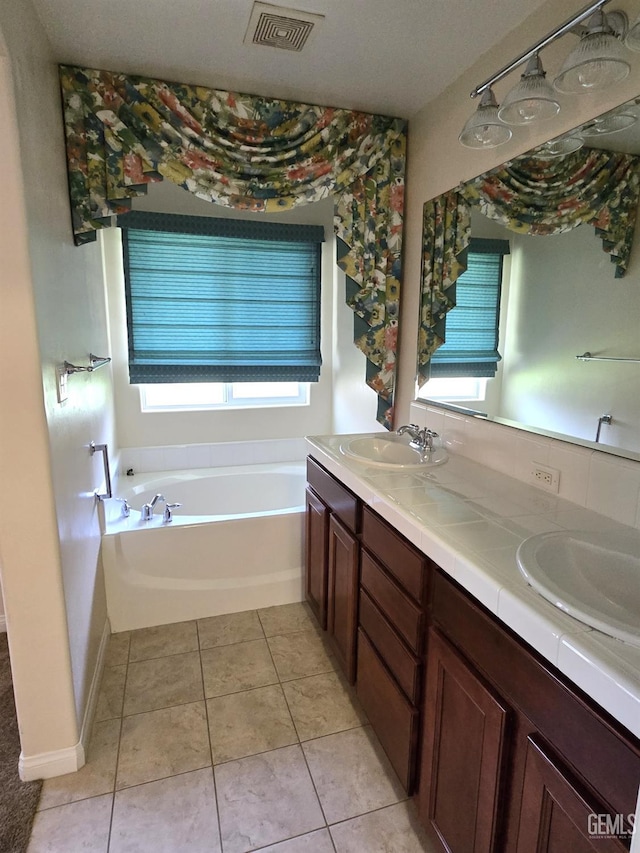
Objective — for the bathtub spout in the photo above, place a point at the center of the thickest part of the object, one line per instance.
(147, 509)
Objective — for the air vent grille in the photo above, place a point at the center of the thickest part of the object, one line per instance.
(276, 26)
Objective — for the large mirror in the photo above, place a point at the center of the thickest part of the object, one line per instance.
(569, 329)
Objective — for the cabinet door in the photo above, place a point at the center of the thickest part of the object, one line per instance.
(342, 595)
(316, 568)
(556, 816)
(463, 752)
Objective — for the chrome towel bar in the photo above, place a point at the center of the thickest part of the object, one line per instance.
(102, 448)
(586, 356)
(95, 361)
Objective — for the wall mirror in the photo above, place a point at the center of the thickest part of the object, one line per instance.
(562, 297)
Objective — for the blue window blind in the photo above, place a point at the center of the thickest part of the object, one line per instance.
(471, 330)
(221, 300)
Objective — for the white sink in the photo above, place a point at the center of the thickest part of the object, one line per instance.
(594, 577)
(391, 451)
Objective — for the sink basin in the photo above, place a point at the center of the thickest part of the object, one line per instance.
(592, 576)
(391, 452)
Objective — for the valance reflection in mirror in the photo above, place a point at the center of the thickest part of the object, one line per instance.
(560, 298)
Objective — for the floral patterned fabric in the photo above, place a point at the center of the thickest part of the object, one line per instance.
(542, 197)
(446, 229)
(254, 153)
(532, 196)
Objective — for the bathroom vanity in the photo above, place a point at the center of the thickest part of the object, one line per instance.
(481, 693)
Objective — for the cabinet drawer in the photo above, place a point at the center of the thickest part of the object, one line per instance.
(404, 665)
(403, 614)
(336, 496)
(401, 559)
(393, 718)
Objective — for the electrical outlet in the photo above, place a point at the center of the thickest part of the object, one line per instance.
(546, 478)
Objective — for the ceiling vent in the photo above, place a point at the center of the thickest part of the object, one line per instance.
(277, 26)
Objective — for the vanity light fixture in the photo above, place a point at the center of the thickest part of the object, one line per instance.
(632, 39)
(484, 129)
(611, 122)
(597, 62)
(559, 147)
(532, 99)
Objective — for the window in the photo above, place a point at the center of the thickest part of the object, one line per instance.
(213, 300)
(471, 342)
(222, 395)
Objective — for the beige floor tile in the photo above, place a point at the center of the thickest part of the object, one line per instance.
(394, 829)
(229, 628)
(175, 815)
(163, 640)
(242, 666)
(246, 723)
(265, 799)
(111, 694)
(299, 655)
(313, 842)
(81, 827)
(351, 774)
(163, 743)
(162, 682)
(96, 777)
(285, 619)
(322, 705)
(118, 649)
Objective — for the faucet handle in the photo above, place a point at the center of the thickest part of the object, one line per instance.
(126, 509)
(168, 512)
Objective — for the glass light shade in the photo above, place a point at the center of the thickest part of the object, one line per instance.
(531, 99)
(632, 40)
(610, 123)
(559, 147)
(596, 63)
(484, 129)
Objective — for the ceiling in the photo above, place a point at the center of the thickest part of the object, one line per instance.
(384, 56)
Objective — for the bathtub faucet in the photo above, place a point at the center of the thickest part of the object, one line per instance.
(147, 509)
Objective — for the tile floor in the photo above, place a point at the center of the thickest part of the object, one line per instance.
(227, 735)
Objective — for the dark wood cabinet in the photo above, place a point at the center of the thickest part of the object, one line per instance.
(463, 753)
(503, 752)
(557, 814)
(342, 595)
(316, 541)
(332, 561)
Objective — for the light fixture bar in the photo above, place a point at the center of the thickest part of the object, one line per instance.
(554, 34)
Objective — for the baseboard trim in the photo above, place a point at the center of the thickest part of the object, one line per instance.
(46, 765)
(94, 688)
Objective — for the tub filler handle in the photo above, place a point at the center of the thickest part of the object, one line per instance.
(168, 512)
(103, 448)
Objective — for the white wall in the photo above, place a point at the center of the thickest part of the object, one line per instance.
(437, 162)
(52, 308)
(564, 301)
(340, 401)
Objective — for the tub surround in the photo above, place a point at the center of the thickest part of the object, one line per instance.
(470, 519)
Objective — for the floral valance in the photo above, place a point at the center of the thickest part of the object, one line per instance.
(446, 230)
(532, 196)
(550, 196)
(254, 153)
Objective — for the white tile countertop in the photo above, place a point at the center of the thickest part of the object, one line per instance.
(470, 520)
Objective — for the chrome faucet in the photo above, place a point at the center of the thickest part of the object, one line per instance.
(421, 439)
(147, 509)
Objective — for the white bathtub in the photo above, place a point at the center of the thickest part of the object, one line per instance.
(236, 543)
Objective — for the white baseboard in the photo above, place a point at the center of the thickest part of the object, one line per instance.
(46, 765)
(94, 688)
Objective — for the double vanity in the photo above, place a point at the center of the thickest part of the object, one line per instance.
(504, 696)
